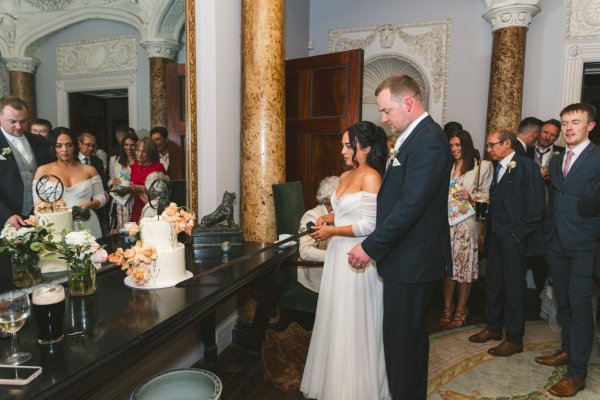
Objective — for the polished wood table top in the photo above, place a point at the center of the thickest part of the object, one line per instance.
(110, 330)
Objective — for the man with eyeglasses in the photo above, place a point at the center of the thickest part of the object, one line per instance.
(516, 211)
(20, 154)
(87, 146)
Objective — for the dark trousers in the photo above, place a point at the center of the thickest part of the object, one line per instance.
(572, 275)
(539, 269)
(506, 288)
(405, 338)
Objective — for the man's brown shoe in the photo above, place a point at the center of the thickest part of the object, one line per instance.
(506, 349)
(484, 336)
(568, 386)
(554, 360)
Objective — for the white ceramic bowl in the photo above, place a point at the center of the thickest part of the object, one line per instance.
(181, 384)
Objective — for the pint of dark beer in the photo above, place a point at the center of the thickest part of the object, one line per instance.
(49, 309)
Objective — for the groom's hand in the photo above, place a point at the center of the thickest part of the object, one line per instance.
(357, 257)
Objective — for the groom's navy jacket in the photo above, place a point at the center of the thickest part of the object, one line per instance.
(411, 242)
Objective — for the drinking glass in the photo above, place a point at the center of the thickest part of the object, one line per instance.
(14, 310)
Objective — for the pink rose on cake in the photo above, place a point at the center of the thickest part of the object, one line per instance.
(181, 220)
(137, 262)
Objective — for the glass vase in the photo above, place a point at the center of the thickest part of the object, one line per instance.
(25, 270)
(82, 279)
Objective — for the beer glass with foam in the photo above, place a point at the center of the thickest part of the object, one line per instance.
(49, 309)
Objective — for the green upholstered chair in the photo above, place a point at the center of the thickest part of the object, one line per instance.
(289, 209)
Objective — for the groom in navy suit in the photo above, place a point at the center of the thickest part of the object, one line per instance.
(20, 154)
(571, 241)
(411, 242)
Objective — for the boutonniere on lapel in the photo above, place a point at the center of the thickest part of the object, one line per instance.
(556, 153)
(6, 153)
(393, 153)
(511, 165)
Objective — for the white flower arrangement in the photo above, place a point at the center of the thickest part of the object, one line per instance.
(511, 165)
(556, 153)
(79, 248)
(393, 153)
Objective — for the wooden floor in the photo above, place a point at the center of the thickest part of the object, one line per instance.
(240, 384)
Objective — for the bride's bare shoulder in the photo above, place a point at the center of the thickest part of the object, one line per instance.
(371, 181)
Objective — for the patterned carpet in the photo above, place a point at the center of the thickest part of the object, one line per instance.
(460, 370)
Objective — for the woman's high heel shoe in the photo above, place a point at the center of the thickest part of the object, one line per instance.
(446, 316)
(460, 318)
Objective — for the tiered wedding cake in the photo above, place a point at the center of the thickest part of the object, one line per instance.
(170, 263)
(158, 259)
(61, 219)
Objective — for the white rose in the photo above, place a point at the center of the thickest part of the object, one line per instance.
(77, 238)
(8, 233)
(24, 231)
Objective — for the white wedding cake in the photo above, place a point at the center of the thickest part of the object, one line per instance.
(170, 264)
(60, 220)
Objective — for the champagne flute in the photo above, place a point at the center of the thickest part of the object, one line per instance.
(14, 310)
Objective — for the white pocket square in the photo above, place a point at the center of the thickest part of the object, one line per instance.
(2, 158)
(396, 163)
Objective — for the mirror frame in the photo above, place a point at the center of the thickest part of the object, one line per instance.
(191, 163)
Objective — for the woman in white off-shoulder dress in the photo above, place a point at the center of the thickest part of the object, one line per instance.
(82, 184)
(345, 358)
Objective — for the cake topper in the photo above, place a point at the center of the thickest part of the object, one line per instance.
(159, 195)
(49, 188)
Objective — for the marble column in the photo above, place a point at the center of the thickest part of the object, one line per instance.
(22, 82)
(509, 26)
(263, 115)
(161, 53)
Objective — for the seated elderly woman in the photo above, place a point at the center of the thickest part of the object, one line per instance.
(310, 249)
(150, 209)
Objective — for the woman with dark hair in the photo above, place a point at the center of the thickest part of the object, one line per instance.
(474, 177)
(82, 184)
(345, 358)
(147, 162)
(119, 168)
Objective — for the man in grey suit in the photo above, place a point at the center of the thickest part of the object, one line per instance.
(411, 241)
(542, 152)
(571, 246)
(20, 154)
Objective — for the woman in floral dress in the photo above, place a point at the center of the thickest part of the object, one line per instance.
(474, 177)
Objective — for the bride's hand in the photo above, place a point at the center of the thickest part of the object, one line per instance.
(324, 220)
(323, 232)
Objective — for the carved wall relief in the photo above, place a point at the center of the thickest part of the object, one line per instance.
(420, 50)
(117, 55)
(583, 19)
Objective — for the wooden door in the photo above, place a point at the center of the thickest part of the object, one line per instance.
(176, 119)
(323, 98)
(87, 112)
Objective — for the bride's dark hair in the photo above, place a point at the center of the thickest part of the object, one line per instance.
(368, 134)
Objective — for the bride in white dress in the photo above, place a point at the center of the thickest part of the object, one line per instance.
(82, 184)
(345, 358)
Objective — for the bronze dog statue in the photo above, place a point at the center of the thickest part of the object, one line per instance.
(223, 212)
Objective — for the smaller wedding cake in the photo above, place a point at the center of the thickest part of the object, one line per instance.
(170, 262)
(157, 260)
(61, 219)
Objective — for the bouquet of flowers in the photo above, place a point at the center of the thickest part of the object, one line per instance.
(25, 246)
(84, 256)
(181, 220)
(138, 262)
